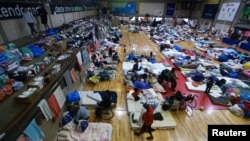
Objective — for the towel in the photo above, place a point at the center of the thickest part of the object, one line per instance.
(60, 96)
(33, 131)
(68, 79)
(43, 105)
(54, 107)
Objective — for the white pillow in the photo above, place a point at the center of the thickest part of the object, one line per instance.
(63, 133)
(235, 109)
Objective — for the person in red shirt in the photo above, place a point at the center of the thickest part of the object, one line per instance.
(148, 118)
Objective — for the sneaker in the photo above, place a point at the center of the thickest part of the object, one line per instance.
(150, 138)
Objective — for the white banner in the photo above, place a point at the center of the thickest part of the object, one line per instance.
(228, 11)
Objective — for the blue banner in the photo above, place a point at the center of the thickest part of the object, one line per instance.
(170, 9)
(210, 11)
(123, 7)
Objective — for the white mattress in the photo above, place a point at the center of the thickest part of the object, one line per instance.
(171, 53)
(136, 106)
(95, 96)
(215, 90)
(232, 65)
(234, 80)
(86, 100)
(168, 121)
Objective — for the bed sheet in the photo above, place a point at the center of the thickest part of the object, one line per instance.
(171, 53)
(168, 121)
(96, 96)
(94, 132)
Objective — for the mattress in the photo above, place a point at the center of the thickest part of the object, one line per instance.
(172, 53)
(233, 66)
(94, 132)
(96, 96)
(168, 121)
(215, 90)
(234, 80)
(86, 100)
(136, 106)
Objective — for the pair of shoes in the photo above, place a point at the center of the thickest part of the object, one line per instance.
(137, 134)
(150, 138)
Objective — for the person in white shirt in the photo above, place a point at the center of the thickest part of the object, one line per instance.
(30, 19)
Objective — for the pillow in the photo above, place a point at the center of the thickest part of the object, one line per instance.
(95, 96)
(166, 64)
(82, 125)
(235, 109)
(63, 133)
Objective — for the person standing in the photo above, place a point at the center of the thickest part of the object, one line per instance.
(30, 20)
(44, 16)
(209, 85)
(148, 118)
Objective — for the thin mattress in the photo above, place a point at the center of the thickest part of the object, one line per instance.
(215, 90)
(168, 121)
(86, 100)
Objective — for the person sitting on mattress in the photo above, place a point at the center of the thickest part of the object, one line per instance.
(171, 76)
(148, 119)
(136, 93)
(176, 96)
(80, 112)
(104, 104)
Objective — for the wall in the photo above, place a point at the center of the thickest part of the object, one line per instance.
(225, 25)
(14, 29)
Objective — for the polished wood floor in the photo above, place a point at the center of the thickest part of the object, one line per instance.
(188, 128)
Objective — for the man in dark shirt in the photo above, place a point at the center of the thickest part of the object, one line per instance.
(43, 14)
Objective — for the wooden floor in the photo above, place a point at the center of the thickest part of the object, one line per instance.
(188, 128)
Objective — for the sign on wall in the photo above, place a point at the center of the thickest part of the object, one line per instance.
(13, 10)
(245, 14)
(228, 11)
(170, 9)
(210, 11)
(123, 7)
(61, 8)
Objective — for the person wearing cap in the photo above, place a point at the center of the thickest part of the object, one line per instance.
(80, 112)
(148, 118)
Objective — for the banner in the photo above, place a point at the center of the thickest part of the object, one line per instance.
(245, 14)
(62, 8)
(228, 11)
(13, 10)
(170, 9)
(210, 11)
(123, 7)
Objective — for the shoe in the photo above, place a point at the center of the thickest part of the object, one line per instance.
(150, 138)
(152, 130)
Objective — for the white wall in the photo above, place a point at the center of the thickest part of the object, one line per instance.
(69, 17)
(57, 20)
(150, 7)
(15, 28)
(76, 15)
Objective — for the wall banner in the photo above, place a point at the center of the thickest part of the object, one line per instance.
(123, 7)
(170, 9)
(210, 11)
(228, 11)
(62, 8)
(13, 10)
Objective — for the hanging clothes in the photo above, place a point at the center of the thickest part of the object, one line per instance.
(68, 79)
(54, 107)
(43, 105)
(60, 96)
(33, 131)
